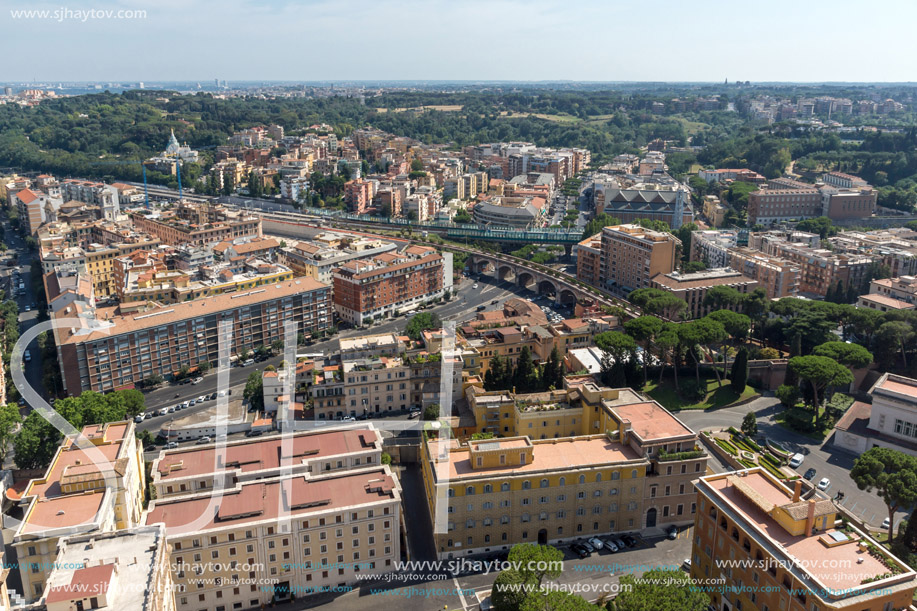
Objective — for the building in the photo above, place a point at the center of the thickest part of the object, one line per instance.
(34, 207)
(692, 288)
(777, 276)
(390, 283)
(890, 421)
(285, 535)
(786, 552)
(670, 205)
(518, 489)
(903, 288)
(714, 211)
(320, 257)
(358, 194)
(768, 206)
(722, 175)
(94, 484)
(630, 257)
(821, 269)
(519, 212)
(199, 224)
(126, 570)
(843, 181)
(111, 350)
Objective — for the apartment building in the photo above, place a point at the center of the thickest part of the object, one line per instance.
(126, 570)
(358, 194)
(786, 552)
(888, 421)
(109, 349)
(714, 211)
(272, 538)
(692, 288)
(821, 269)
(777, 276)
(202, 469)
(382, 385)
(630, 257)
(894, 248)
(367, 289)
(589, 260)
(318, 259)
(198, 224)
(94, 484)
(519, 489)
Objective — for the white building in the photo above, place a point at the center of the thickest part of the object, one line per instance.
(890, 422)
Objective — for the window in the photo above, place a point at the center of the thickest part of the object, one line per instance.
(544, 483)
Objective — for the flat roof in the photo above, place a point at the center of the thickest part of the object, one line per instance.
(899, 384)
(650, 421)
(260, 454)
(265, 500)
(564, 453)
(812, 556)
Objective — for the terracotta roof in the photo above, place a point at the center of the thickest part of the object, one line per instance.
(27, 196)
(651, 421)
(85, 582)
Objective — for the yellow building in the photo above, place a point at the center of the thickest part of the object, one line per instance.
(567, 464)
(787, 552)
(95, 483)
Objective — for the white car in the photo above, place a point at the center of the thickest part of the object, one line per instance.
(197, 380)
(203, 440)
(138, 419)
(596, 543)
(474, 286)
(824, 483)
(885, 524)
(163, 411)
(796, 460)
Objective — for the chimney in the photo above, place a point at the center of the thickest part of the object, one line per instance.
(798, 490)
(810, 518)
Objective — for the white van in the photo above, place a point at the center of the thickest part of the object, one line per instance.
(796, 460)
(248, 362)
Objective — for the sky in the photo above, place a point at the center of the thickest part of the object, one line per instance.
(523, 40)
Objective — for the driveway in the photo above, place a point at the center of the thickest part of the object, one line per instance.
(827, 460)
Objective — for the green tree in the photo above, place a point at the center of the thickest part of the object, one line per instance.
(788, 395)
(555, 600)
(431, 412)
(750, 424)
(254, 391)
(719, 297)
(656, 302)
(736, 325)
(853, 356)
(893, 476)
(525, 378)
(552, 373)
(892, 338)
(536, 562)
(508, 592)
(738, 378)
(36, 443)
(421, 322)
(819, 372)
(698, 336)
(9, 420)
(644, 329)
(596, 224)
(659, 590)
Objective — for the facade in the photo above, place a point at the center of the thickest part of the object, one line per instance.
(785, 552)
(126, 570)
(516, 489)
(318, 259)
(671, 206)
(630, 257)
(519, 212)
(767, 206)
(890, 421)
(390, 283)
(692, 288)
(95, 484)
(198, 224)
(110, 350)
(282, 536)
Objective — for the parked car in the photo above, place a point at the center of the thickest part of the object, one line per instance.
(671, 532)
(202, 398)
(415, 413)
(27, 356)
(169, 410)
(596, 543)
(796, 460)
(171, 445)
(28, 308)
(185, 404)
(197, 380)
(611, 546)
(580, 550)
(824, 483)
(148, 415)
(588, 547)
(138, 419)
(630, 540)
(213, 396)
(475, 285)
(248, 362)
(886, 523)
(163, 411)
(686, 565)
(620, 543)
(253, 434)
(481, 308)
(495, 302)
(809, 474)
(203, 440)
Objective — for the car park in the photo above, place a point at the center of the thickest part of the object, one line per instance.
(809, 474)
(824, 483)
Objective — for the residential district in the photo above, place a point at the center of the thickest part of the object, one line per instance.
(272, 402)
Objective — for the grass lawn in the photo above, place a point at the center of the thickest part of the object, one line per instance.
(818, 435)
(716, 397)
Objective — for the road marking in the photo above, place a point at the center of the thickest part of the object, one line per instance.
(458, 590)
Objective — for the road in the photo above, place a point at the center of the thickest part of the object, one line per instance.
(822, 456)
(463, 306)
(27, 319)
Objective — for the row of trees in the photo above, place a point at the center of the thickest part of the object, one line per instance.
(524, 376)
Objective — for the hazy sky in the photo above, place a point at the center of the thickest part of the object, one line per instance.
(610, 40)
